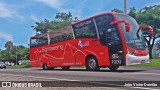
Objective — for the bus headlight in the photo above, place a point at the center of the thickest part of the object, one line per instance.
(130, 52)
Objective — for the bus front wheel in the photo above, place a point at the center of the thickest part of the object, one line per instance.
(113, 68)
(92, 64)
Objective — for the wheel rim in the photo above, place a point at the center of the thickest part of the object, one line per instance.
(92, 63)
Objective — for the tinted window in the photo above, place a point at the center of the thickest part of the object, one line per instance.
(1, 63)
(61, 38)
(103, 22)
(85, 29)
(39, 42)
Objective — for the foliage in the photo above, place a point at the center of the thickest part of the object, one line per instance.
(12, 52)
(150, 16)
(132, 12)
(117, 10)
(158, 44)
(156, 50)
(22, 52)
(4, 55)
(61, 20)
(19, 66)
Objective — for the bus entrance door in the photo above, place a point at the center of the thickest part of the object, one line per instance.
(115, 48)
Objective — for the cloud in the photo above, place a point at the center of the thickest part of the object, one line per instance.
(6, 11)
(66, 6)
(52, 3)
(34, 18)
(6, 36)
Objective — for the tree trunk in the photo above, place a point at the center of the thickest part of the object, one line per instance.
(151, 47)
(150, 52)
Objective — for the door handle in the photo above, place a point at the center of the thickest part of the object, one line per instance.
(109, 44)
(119, 51)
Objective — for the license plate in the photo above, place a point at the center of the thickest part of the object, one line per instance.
(142, 61)
(116, 62)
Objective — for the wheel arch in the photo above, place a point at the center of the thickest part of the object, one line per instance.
(91, 55)
(43, 61)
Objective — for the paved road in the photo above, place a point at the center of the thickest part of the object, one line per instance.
(79, 74)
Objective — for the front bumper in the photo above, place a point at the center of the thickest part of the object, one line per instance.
(2, 66)
(133, 60)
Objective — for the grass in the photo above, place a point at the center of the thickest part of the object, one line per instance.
(19, 66)
(154, 63)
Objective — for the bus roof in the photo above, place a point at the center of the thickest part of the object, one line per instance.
(93, 17)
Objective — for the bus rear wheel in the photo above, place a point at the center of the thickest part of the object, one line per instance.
(113, 68)
(65, 68)
(45, 67)
(92, 64)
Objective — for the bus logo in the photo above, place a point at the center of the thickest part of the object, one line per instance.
(115, 56)
(80, 44)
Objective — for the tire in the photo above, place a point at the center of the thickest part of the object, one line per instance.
(65, 68)
(113, 68)
(92, 64)
(51, 68)
(4, 67)
(45, 67)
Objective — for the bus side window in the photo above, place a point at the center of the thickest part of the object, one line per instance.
(38, 42)
(85, 29)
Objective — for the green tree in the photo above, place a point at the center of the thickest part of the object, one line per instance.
(158, 44)
(64, 16)
(9, 48)
(60, 20)
(22, 52)
(132, 12)
(9, 45)
(117, 10)
(150, 16)
(4, 55)
(156, 50)
(11, 52)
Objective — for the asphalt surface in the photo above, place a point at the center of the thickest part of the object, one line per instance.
(93, 77)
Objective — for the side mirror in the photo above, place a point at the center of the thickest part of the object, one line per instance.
(127, 25)
(147, 27)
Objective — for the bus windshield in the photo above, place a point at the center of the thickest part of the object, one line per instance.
(131, 37)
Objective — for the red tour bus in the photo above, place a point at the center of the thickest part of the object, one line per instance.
(105, 40)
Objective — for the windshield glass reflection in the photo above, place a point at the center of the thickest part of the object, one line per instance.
(130, 37)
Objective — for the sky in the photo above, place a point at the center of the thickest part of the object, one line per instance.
(17, 16)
